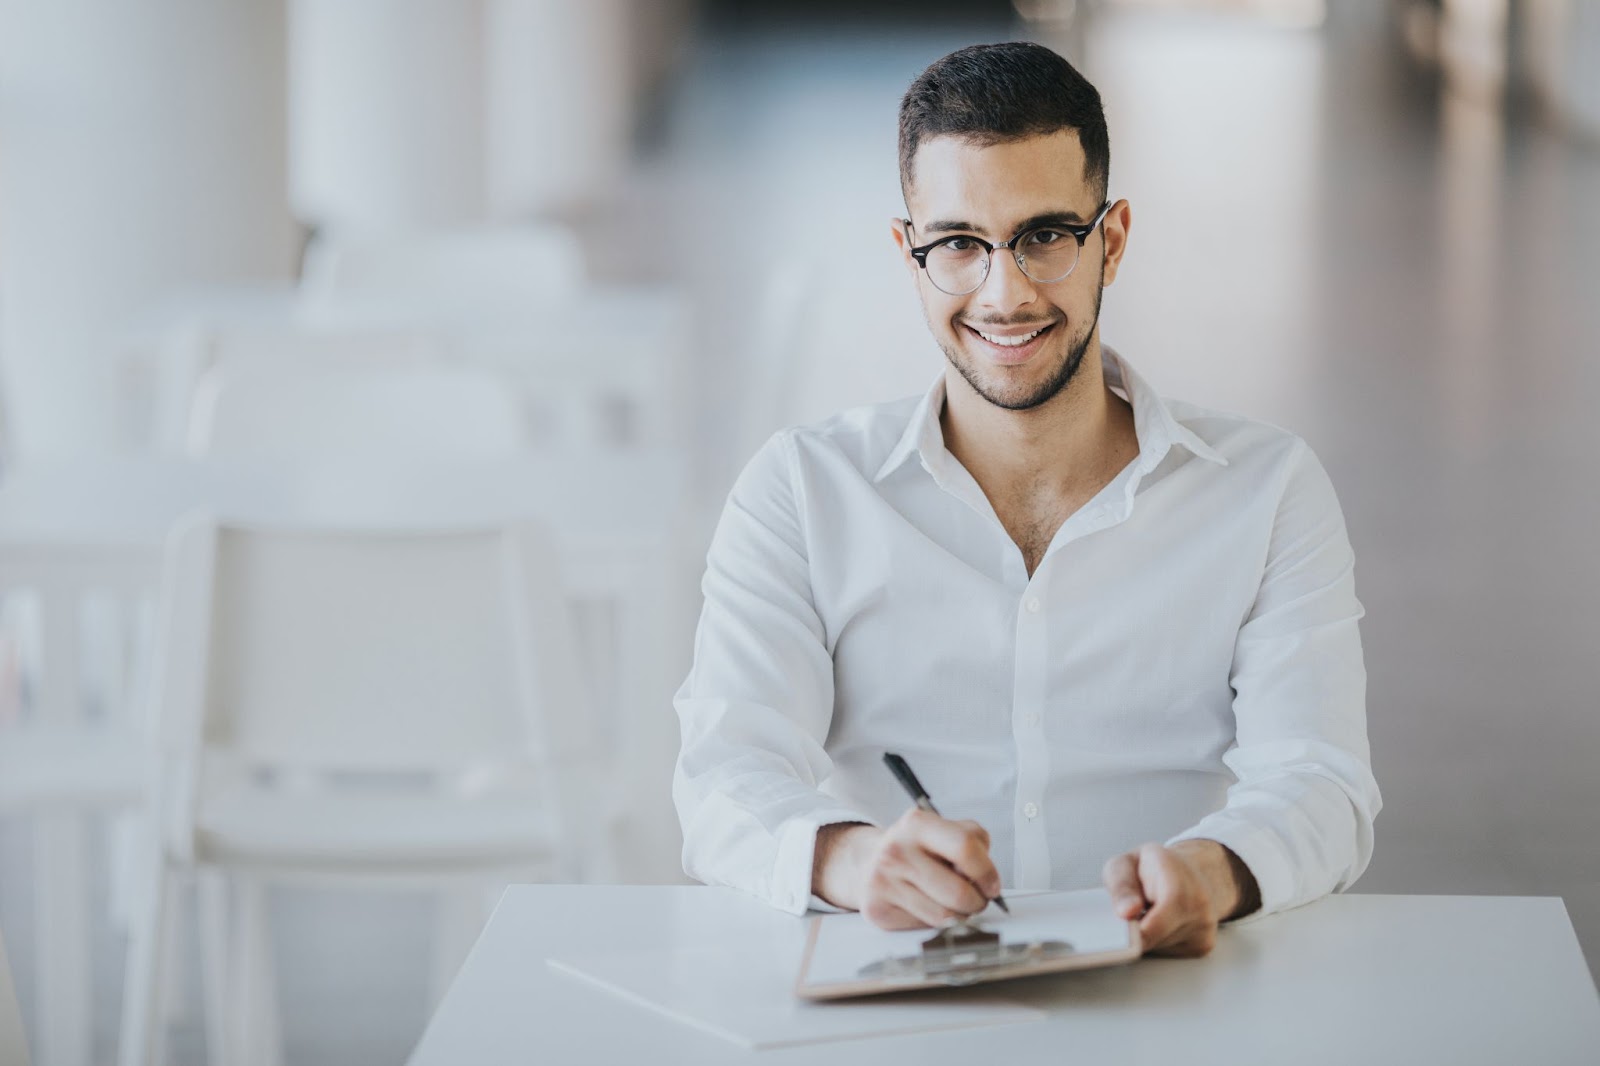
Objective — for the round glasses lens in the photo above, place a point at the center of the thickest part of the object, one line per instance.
(958, 266)
(1048, 254)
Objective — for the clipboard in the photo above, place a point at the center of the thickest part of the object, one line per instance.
(1047, 932)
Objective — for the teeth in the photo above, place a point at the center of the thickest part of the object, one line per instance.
(1009, 342)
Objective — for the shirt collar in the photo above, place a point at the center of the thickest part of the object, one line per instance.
(1153, 421)
(1157, 428)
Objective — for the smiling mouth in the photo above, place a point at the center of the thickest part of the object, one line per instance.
(1016, 340)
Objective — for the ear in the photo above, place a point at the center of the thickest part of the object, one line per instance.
(902, 241)
(1115, 226)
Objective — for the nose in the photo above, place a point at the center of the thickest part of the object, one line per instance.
(1006, 287)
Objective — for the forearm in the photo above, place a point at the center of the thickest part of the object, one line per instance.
(750, 824)
(1301, 834)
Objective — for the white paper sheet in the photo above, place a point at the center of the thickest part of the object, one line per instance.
(747, 996)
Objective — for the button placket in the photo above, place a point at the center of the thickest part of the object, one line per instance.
(1033, 760)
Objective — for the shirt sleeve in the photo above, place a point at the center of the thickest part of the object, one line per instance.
(757, 704)
(1300, 814)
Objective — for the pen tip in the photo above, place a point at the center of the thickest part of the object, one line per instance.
(998, 902)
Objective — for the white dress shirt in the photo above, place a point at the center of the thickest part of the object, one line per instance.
(1183, 662)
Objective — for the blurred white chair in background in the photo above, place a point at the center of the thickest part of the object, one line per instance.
(307, 410)
(361, 708)
(453, 270)
(604, 374)
(72, 626)
(13, 1046)
(190, 353)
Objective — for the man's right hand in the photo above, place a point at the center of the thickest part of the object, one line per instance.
(923, 870)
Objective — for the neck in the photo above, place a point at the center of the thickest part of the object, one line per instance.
(1056, 447)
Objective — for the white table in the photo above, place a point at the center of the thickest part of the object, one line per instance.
(1350, 979)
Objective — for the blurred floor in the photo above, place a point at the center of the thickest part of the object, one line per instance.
(1323, 239)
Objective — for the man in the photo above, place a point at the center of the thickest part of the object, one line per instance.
(1116, 636)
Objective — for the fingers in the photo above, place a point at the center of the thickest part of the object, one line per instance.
(929, 871)
(1179, 919)
(1156, 876)
(939, 881)
(963, 845)
(895, 901)
(1121, 877)
(911, 899)
(885, 915)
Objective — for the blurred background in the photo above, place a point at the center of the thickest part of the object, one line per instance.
(458, 318)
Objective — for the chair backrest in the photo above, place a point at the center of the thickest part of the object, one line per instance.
(302, 409)
(607, 371)
(447, 270)
(368, 651)
(191, 348)
(73, 629)
(13, 1046)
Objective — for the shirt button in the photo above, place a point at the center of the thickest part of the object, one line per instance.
(1033, 720)
(1033, 605)
(1030, 811)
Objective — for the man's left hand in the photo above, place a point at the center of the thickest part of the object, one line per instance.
(1183, 893)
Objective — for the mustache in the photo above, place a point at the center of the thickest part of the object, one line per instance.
(1006, 323)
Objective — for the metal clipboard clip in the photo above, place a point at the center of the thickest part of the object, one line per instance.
(963, 954)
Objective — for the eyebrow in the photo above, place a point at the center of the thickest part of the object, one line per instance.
(1050, 218)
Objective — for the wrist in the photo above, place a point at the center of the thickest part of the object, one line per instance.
(838, 859)
(1228, 882)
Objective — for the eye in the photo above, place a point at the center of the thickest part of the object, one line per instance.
(1044, 237)
(960, 244)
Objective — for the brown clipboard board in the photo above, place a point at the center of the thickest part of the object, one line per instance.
(979, 953)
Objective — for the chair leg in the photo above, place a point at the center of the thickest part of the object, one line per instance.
(211, 892)
(125, 837)
(252, 986)
(175, 959)
(269, 1045)
(64, 1008)
(141, 995)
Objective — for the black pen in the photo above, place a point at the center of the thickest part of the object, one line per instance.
(919, 795)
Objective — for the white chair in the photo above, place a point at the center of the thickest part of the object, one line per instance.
(349, 707)
(447, 270)
(303, 409)
(603, 372)
(73, 619)
(160, 374)
(13, 1045)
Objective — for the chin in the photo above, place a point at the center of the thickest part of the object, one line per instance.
(1025, 386)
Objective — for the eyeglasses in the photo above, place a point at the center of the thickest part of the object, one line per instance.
(959, 264)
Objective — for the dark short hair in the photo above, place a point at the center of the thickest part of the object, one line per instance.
(990, 93)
